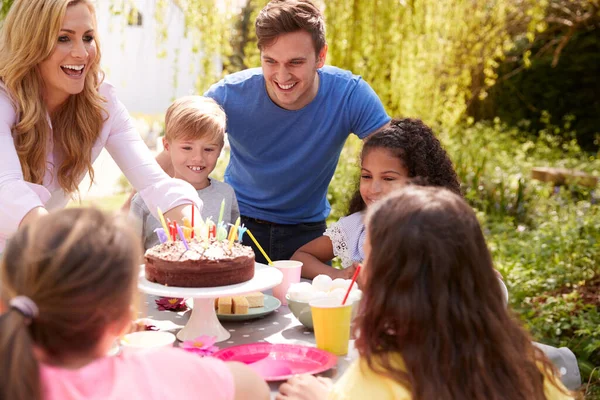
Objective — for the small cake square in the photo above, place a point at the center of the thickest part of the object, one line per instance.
(224, 305)
(240, 305)
(255, 299)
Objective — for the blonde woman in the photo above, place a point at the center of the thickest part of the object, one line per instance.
(57, 114)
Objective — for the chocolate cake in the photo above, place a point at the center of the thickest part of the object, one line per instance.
(203, 265)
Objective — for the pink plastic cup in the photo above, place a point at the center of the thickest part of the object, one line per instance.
(291, 271)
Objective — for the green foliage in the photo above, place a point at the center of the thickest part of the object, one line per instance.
(345, 179)
(571, 87)
(4, 8)
(547, 246)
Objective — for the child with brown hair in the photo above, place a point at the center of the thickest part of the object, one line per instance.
(432, 322)
(194, 138)
(67, 284)
(405, 150)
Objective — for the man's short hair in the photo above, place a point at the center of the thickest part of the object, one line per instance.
(195, 117)
(287, 16)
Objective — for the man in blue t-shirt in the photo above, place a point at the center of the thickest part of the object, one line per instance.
(287, 123)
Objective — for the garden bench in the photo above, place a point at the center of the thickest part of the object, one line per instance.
(563, 177)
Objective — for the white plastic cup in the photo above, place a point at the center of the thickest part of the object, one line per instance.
(291, 271)
(147, 340)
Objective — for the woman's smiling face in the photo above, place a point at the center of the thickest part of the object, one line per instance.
(64, 72)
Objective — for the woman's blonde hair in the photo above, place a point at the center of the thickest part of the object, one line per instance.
(195, 117)
(28, 37)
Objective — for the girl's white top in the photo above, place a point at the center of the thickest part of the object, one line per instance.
(347, 237)
(118, 135)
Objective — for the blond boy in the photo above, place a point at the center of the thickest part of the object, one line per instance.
(194, 138)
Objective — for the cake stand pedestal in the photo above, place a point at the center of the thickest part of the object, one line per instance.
(203, 320)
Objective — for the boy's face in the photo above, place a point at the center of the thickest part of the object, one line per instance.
(290, 69)
(193, 160)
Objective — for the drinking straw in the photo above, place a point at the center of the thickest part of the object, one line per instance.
(181, 236)
(164, 224)
(233, 232)
(352, 284)
(260, 248)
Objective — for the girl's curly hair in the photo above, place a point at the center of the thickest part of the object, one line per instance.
(420, 151)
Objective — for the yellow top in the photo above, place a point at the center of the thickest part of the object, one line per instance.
(362, 383)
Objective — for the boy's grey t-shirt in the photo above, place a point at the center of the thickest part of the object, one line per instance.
(211, 196)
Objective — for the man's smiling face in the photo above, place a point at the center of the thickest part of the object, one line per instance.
(290, 66)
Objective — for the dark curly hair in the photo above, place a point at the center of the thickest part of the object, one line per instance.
(420, 151)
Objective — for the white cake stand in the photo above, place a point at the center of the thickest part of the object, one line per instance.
(203, 320)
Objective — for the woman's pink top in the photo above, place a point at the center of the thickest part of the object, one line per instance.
(118, 136)
(156, 375)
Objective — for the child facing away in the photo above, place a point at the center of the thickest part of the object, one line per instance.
(432, 323)
(389, 158)
(194, 138)
(68, 282)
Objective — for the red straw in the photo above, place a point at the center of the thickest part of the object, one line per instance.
(193, 221)
(352, 284)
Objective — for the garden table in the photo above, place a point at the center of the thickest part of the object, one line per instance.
(278, 327)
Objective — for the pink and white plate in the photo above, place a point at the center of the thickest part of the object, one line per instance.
(278, 362)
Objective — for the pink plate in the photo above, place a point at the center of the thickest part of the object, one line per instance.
(278, 362)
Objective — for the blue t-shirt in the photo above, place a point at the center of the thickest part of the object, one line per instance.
(283, 160)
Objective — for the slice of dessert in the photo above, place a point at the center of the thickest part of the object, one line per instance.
(224, 305)
(255, 299)
(240, 305)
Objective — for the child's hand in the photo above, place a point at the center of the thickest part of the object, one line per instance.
(348, 273)
(304, 387)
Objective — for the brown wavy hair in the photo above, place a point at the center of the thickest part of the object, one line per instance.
(286, 16)
(422, 154)
(432, 297)
(28, 37)
(79, 266)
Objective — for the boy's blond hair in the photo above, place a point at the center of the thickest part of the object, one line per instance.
(195, 117)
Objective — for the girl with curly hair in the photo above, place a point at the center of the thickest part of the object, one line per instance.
(432, 324)
(405, 150)
(57, 114)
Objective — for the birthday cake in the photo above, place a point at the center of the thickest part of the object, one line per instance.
(204, 264)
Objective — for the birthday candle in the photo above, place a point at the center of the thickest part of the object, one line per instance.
(221, 213)
(233, 232)
(221, 232)
(182, 236)
(193, 208)
(241, 230)
(164, 224)
(162, 236)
